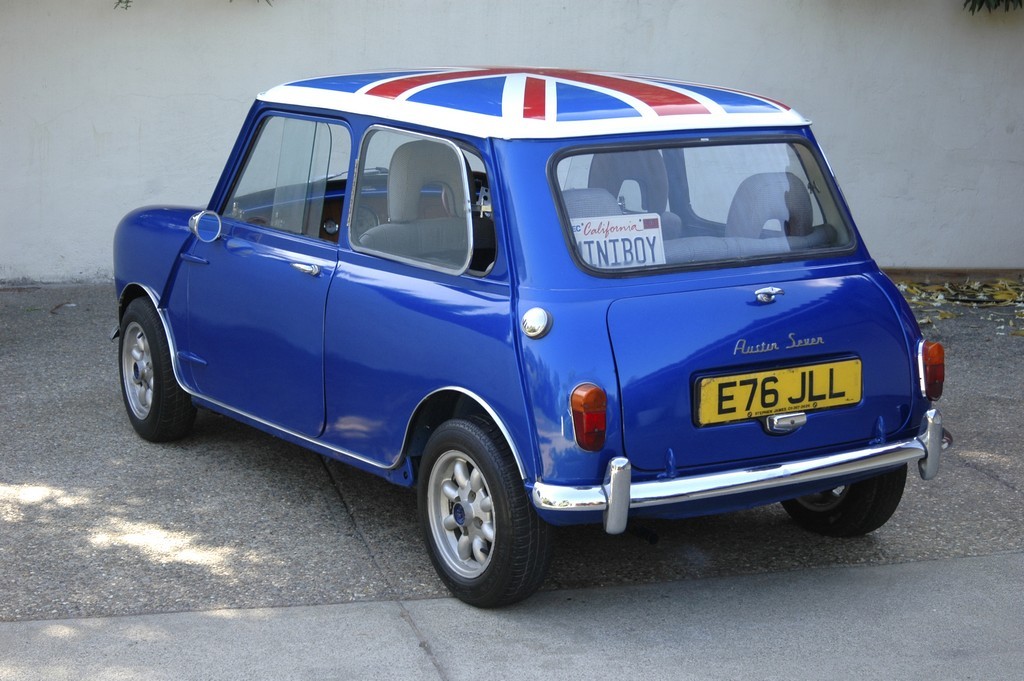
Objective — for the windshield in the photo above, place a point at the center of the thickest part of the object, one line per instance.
(635, 209)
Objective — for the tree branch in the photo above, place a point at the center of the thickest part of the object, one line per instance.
(978, 5)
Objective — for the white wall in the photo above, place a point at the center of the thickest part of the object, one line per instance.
(919, 105)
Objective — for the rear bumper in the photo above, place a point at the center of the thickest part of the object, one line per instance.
(619, 494)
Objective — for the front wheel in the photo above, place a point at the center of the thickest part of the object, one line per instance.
(484, 537)
(850, 510)
(157, 406)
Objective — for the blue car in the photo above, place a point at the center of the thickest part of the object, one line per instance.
(540, 297)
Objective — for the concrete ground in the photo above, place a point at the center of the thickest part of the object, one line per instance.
(234, 555)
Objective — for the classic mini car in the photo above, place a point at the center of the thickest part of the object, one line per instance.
(541, 297)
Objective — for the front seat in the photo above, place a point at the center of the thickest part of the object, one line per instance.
(426, 207)
(419, 165)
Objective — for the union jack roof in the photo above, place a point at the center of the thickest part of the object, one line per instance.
(508, 103)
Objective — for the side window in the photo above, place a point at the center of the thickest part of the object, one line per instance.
(424, 201)
(293, 178)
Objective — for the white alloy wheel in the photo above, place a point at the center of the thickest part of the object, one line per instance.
(461, 514)
(137, 370)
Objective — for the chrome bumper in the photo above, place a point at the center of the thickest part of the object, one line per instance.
(618, 494)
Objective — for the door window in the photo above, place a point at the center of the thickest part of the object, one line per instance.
(294, 177)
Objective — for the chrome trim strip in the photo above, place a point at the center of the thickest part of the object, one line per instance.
(318, 444)
(926, 449)
(920, 369)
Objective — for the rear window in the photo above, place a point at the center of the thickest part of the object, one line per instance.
(637, 209)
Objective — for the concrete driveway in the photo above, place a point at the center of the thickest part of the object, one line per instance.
(234, 555)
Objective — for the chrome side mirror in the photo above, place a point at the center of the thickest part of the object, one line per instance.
(206, 226)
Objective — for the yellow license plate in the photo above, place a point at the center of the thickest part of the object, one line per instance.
(723, 399)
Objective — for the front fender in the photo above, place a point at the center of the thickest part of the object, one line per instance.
(148, 243)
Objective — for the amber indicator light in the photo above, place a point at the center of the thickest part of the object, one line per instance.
(589, 405)
(934, 356)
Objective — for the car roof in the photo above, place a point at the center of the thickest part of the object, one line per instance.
(535, 103)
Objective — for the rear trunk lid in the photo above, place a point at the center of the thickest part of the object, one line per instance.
(713, 377)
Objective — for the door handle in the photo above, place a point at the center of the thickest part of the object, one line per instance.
(311, 270)
(768, 294)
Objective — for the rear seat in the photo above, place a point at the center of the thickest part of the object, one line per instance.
(709, 248)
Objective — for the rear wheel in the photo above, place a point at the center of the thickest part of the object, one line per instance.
(158, 408)
(850, 510)
(484, 537)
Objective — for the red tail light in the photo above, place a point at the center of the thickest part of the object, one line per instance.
(589, 416)
(933, 368)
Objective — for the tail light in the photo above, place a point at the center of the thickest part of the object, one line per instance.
(933, 369)
(589, 405)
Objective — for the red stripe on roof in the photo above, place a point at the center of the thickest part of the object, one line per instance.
(535, 98)
(396, 88)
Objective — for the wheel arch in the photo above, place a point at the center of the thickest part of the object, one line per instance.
(449, 403)
(129, 293)
(133, 291)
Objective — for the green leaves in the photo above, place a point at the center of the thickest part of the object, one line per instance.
(978, 5)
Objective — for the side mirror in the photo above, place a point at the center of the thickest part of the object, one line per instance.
(206, 226)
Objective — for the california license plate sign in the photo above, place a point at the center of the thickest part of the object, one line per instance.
(620, 241)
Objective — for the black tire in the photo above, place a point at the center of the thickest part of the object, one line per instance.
(852, 510)
(159, 410)
(482, 533)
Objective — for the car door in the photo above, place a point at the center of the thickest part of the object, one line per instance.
(421, 304)
(256, 293)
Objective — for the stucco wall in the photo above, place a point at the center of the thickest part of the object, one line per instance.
(919, 105)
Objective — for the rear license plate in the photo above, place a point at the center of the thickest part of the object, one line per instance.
(738, 397)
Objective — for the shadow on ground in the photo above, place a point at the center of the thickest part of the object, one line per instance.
(97, 522)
